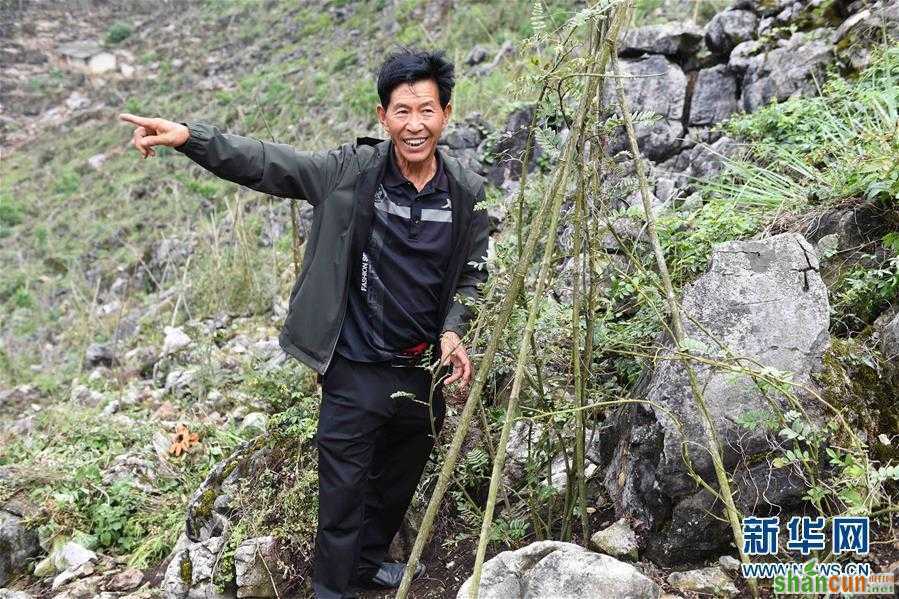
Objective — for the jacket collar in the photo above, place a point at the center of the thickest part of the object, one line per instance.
(393, 176)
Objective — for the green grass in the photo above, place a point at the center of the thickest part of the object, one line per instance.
(805, 154)
(822, 152)
(839, 145)
(62, 467)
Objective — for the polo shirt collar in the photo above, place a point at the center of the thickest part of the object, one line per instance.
(393, 176)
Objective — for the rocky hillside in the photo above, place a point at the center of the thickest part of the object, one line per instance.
(156, 442)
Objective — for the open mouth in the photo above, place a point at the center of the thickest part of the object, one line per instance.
(415, 142)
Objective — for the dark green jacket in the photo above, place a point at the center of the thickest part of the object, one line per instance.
(340, 184)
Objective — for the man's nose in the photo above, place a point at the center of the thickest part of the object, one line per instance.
(414, 124)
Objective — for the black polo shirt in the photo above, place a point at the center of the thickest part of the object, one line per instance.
(394, 294)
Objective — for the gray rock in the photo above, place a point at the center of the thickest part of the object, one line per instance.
(889, 339)
(189, 573)
(523, 434)
(71, 555)
(863, 31)
(714, 96)
(743, 55)
(617, 540)
(671, 39)
(700, 161)
(18, 544)
(175, 340)
(80, 50)
(11, 594)
(761, 301)
(64, 577)
(477, 55)
(665, 189)
(628, 230)
(44, 568)
(729, 28)
(206, 517)
(827, 246)
(255, 566)
(470, 158)
(707, 581)
(708, 160)
(557, 570)
(794, 68)
(179, 382)
(99, 354)
(461, 137)
(763, 7)
(125, 580)
(255, 421)
(658, 86)
(103, 62)
(167, 254)
(507, 50)
(508, 150)
(729, 563)
(96, 161)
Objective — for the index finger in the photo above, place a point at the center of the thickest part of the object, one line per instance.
(137, 120)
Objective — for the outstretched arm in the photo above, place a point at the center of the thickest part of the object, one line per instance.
(276, 169)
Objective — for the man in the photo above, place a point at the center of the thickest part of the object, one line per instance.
(395, 239)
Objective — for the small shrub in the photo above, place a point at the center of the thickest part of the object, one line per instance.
(67, 183)
(10, 215)
(862, 294)
(118, 32)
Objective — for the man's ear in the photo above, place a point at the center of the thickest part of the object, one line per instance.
(447, 112)
(382, 115)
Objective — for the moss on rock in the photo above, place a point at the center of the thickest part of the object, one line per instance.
(855, 381)
(187, 568)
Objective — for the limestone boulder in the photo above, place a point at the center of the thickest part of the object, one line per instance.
(729, 28)
(762, 304)
(670, 39)
(795, 68)
(558, 570)
(18, 544)
(714, 96)
(657, 88)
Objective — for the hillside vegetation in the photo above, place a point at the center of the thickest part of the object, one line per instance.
(145, 403)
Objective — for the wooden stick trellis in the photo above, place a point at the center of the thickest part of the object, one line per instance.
(601, 50)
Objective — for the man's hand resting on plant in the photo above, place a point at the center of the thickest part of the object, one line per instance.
(155, 132)
(453, 352)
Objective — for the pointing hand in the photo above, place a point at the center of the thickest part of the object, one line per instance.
(155, 132)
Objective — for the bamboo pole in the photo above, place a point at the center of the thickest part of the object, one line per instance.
(587, 100)
(576, 356)
(474, 396)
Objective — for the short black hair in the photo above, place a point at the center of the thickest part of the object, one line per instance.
(408, 65)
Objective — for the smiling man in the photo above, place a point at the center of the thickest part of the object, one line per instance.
(395, 240)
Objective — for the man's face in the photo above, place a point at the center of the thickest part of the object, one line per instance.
(414, 119)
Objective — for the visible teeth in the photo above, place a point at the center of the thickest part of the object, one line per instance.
(415, 142)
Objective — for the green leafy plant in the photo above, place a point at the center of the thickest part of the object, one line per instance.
(118, 32)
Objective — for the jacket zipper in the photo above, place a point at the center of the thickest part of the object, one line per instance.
(346, 286)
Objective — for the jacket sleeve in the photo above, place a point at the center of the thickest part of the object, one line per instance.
(459, 315)
(272, 168)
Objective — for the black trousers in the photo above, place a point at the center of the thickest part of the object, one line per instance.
(375, 433)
